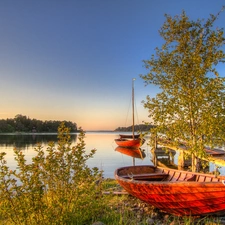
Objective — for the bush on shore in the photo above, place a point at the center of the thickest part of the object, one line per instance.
(56, 188)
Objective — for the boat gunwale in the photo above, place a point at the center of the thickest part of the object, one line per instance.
(128, 139)
(221, 179)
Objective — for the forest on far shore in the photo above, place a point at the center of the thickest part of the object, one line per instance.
(24, 124)
(140, 127)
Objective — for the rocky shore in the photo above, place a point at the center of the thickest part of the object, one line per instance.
(144, 214)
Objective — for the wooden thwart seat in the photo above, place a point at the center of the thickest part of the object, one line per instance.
(147, 176)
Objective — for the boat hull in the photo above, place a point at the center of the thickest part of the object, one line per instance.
(173, 191)
(129, 143)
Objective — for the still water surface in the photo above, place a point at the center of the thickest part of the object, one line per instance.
(106, 158)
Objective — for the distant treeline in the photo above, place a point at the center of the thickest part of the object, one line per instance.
(24, 124)
(140, 127)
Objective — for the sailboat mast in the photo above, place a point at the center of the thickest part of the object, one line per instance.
(133, 105)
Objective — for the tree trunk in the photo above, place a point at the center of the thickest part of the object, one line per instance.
(195, 163)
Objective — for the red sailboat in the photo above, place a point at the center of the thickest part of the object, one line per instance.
(133, 140)
(176, 192)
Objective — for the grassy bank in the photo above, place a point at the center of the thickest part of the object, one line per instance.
(59, 188)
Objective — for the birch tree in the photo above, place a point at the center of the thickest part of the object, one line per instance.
(190, 105)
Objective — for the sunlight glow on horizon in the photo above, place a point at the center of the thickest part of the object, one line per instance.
(75, 61)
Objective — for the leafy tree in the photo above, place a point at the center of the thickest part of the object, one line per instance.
(190, 107)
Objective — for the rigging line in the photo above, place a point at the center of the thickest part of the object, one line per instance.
(128, 116)
(128, 112)
(136, 113)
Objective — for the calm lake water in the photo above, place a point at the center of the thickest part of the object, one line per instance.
(107, 158)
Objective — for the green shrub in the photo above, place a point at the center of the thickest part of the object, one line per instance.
(57, 187)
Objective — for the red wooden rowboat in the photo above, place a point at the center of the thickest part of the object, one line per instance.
(177, 192)
(129, 143)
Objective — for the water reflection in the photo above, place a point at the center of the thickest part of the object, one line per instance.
(22, 141)
(105, 158)
(163, 157)
(133, 152)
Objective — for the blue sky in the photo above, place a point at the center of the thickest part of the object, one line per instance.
(75, 59)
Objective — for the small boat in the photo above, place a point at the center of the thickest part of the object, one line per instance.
(129, 142)
(132, 140)
(176, 192)
(134, 152)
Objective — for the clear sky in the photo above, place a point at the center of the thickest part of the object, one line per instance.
(75, 59)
